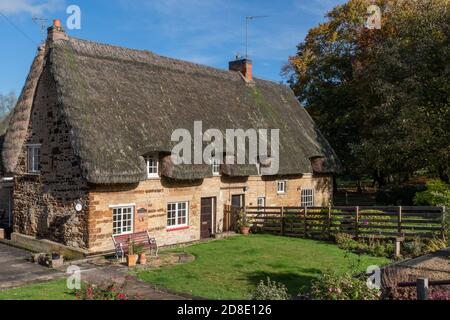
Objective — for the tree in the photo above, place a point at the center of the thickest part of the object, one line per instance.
(7, 103)
(381, 97)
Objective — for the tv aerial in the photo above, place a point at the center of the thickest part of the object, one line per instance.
(247, 23)
(42, 23)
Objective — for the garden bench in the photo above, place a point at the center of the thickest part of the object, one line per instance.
(121, 243)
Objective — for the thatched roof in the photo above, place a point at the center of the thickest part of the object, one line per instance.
(121, 104)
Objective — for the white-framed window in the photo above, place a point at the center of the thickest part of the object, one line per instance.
(34, 158)
(215, 165)
(177, 214)
(281, 186)
(123, 220)
(153, 166)
(307, 197)
(261, 202)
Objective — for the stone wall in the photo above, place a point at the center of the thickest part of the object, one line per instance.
(150, 198)
(44, 203)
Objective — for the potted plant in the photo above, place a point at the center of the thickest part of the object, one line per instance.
(131, 256)
(243, 223)
(140, 251)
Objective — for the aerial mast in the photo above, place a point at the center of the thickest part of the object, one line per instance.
(247, 22)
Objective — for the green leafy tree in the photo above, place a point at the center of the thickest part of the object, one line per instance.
(380, 96)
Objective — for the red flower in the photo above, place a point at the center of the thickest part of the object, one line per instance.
(121, 296)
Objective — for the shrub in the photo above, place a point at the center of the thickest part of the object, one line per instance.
(434, 245)
(333, 286)
(414, 248)
(103, 292)
(436, 194)
(398, 195)
(345, 241)
(439, 295)
(375, 248)
(271, 290)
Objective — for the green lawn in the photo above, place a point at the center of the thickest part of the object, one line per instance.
(231, 268)
(52, 290)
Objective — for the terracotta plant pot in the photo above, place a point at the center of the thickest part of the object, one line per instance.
(245, 231)
(143, 258)
(131, 260)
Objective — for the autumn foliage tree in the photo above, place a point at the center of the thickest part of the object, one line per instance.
(380, 96)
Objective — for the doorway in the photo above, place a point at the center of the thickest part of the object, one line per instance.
(207, 217)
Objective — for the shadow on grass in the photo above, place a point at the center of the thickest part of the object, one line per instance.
(294, 282)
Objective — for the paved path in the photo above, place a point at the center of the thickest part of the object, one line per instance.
(16, 271)
(134, 287)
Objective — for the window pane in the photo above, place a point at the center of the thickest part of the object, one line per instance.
(122, 220)
(177, 214)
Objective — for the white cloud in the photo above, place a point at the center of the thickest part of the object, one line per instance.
(31, 7)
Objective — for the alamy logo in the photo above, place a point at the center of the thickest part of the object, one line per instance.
(238, 146)
(374, 280)
(74, 19)
(374, 17)
(74, 279)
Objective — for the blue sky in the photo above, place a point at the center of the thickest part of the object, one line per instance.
(209, 32)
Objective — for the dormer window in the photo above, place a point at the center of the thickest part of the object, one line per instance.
(34, 158)
(153, 166)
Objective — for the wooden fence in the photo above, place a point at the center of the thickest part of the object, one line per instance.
(362, 222)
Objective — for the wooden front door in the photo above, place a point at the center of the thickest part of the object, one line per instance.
(207, 217)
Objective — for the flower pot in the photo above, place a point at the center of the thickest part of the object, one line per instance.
(245, 231)
(143, 258)
(131, 260)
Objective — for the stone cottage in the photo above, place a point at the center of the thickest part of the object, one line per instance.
(86, 151)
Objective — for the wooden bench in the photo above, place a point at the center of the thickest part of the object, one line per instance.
(121, 243)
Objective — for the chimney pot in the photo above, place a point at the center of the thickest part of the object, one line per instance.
(244, 66)
(57, 23)
(56, 32)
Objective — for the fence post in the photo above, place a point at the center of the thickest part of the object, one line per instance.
(398, 246)
(357, 223)
(282, 221)
(306, 220)
(329, 221)
(422, 289)
(444, 211)
(399, 229)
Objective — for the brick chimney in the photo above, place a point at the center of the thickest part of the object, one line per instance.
(244, 66)
(56, 32)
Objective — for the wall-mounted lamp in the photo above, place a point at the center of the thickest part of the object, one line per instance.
(78, 206)
(245, 189)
